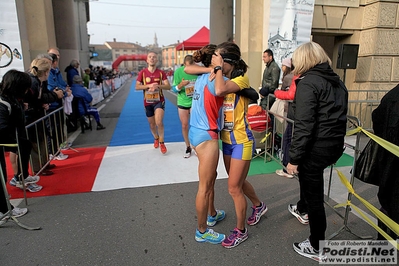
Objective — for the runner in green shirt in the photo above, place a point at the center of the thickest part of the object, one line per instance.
(183, 85)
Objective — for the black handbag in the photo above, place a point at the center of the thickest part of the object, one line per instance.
(366, 166)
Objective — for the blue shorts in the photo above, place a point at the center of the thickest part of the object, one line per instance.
(150, 109)
(243, 151)
(197, 136)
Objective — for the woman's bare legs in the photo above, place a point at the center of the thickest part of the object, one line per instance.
(208, 157)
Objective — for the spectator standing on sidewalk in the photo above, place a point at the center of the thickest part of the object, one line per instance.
(183, 84)
(38, 99)
(14, 86)
(72, 70)
(320, 106)
(270, 78)
(386, 125)
(55, 83)
(152, 81)
(287, 92)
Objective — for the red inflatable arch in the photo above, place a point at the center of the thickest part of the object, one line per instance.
(132, 57)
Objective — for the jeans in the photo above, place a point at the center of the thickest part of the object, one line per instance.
(311, 183)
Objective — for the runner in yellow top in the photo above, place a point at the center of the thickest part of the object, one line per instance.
(237, 138)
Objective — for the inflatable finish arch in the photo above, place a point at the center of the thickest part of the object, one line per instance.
(132, 57)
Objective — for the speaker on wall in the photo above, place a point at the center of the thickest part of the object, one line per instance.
(347, 56)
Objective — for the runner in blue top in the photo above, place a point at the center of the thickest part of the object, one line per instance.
(204, 128)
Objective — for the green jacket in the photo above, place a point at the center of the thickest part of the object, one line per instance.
(271, 76)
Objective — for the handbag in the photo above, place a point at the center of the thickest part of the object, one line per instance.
(278, 108)
(366, 166)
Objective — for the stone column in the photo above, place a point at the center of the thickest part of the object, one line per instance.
(221, 21)
(39, 30)
(65, 31)
(251, 34)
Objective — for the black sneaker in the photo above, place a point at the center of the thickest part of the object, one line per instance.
(188, 153)
(305, 249)
(302, 217)
(99, 126)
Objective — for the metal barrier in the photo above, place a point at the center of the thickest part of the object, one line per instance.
(47, 134)
(362, 103)
(278, 129)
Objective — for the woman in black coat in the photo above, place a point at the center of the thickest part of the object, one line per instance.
(13, 88)
(320, 107)
(386, 125)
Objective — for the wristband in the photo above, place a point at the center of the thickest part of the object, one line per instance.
(177, 88)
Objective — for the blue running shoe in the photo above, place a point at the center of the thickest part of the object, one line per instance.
(235, 238)
(212, 220)
(209, 236)
(13, 181)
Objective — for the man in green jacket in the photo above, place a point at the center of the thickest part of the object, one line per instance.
(271, 76)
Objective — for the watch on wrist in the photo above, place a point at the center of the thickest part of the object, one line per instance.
(216, 69)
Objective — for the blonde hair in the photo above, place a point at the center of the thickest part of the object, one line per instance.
(308, 55)
(39, 67)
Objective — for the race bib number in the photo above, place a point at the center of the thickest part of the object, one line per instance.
(228, 111)
(152, 96)
(190, 89)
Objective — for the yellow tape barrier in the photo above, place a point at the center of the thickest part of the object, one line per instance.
(380, 215)
(9, 145)
(265, 138)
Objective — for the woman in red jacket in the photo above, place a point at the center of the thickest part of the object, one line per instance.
(283, 94)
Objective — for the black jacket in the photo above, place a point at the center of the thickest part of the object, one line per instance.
(36, 97)
(10, 120)
(320, 106)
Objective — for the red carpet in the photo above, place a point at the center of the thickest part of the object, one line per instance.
(73, 175)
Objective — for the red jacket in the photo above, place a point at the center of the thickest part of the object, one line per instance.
(289, 94)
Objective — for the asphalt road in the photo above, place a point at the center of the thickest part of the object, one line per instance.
(156, 225)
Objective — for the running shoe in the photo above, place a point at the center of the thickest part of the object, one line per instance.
(29, 180)
(33, 188)
(18, 212)
(188, 153)
(156, 143)
(32, 179)
(305, 249)
(236, 238)
(209, 236)
(212, 220)
(59, 157)
(163, 148)
(13, 181)
(257, 213)
(65, 145)
(302, 217)
(281, 172)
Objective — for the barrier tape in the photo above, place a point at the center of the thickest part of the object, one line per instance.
(9, 145)
(394, 149)
(380, 215)
(382, 142)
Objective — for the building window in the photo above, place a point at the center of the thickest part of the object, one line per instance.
(116, 50)
(124, 51)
